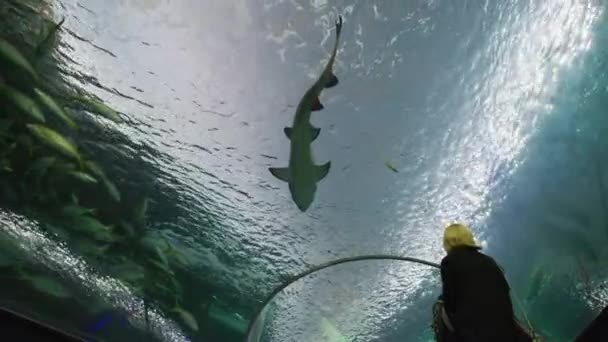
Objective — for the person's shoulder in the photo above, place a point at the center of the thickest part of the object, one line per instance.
(466, 255)
(491, 262)
(487, 257)
(449, 259)
(445, 260)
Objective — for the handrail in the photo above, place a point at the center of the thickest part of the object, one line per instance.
(317, 268)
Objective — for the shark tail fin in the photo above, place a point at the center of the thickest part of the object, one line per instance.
(281, 173)
(323, 170)
(332, 82)
(316, 105)
(339, 23)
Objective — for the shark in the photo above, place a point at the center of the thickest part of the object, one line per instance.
(302, 174)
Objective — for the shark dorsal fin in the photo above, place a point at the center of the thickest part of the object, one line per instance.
(323, 170)
(332, 82)
(281, 173)
(314, 132)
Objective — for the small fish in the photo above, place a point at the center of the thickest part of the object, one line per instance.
(111, 188)
(55, 140)
(187, 318)
(127, 227)
(391, 167)
(162, 257)
(129, 271)
(46, 44)
(91, 227)
(537, 281)
(63, 166)
(99, 108)
(54, 108)
(92, 248)
(72, 210)
(83, 177)
(302, 174)
(227, 319)
(40, 166)
(9, 53)
(141, 210)
(330, 332)
(5, 165)
(93, 167)
(162, 267)
(48, 286)
(25, 104)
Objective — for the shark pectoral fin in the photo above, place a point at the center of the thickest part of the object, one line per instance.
(281, 173)
(314, 133)
(316, 105)
(323, 170)
(287, 131)
(332, 82)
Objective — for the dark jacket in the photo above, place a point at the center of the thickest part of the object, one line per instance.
(476, 296)
(597, 331)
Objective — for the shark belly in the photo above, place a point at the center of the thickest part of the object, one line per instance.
(302, 182)
(301, 166)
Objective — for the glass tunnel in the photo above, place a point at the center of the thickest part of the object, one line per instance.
(224, 170)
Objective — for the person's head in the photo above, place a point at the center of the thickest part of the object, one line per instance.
(458, 235)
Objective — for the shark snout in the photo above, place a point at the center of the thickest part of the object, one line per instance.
(303, 196)
(303, 205)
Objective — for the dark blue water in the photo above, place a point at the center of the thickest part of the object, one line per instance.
(492, 113)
